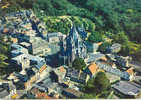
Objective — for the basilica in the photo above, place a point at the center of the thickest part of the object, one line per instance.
(73, 46)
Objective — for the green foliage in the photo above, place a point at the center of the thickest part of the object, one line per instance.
(120, 38)
(64, 23)
(101, 82)
(99, 87)
(131, 49)
(122, 18)
(4, 53)
(138, 54)
(89, 96)
(110, 15)
(79, 64)
(104, 46)
(95, 37)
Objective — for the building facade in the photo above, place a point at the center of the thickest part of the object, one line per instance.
(73, 47)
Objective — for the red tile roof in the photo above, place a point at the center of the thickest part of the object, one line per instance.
(93, 68)
(43, 96)
(130, 71)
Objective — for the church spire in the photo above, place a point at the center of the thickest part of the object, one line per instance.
(74, 33)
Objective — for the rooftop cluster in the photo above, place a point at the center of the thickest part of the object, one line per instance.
(43, 61)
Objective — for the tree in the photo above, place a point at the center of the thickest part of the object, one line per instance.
(104, 46)
(95, 37)
(89, 96)
(99, 87)
(79, 63)
(4, 55)
(101, 82)
(120, 38)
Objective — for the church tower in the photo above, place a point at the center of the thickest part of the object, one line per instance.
(72, 44)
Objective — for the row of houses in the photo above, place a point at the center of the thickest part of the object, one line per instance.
(64, 87)
(30, 67)
(32, 43)
(7, 90)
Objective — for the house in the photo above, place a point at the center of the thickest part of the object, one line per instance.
(108, 68)
(123, 61)
(127, 89)
(41, 66)
(71, 93)
(33, 75)
(77, 76)
(15, 53)
(92, 69)
(113, 78)
(131, 72)
(16, 49)
(15, 46)
(40, 94)
(55, 37)
(31, 69)
(39, 47)
(61, 72)
(4, 92)
(92, 47)
(26, 60)
(22, 37)
(44, 96)
(5, 31)
(137, 79)
(25, 45)
(21, 61)
(111, 57)
(48, 86)
(115, 48)
(7, 90)
(26, 78)
(95, 57)
(14, 40)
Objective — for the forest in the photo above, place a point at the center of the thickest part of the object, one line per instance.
(107, 21)
(114, 20)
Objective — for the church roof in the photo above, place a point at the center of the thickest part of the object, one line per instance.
(74, 36)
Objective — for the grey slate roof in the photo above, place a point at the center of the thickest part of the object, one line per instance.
(73, 74)
(127, 88)
(16, 46)
(82, 32)
(117, 72)
(38, 44)
(54, 34)
(94, 57)
(47, 84)
(91, 46)
(40, 64)
(111, 56)
(115, 47)
(71, 93)
(3, 93)
(4, 90)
